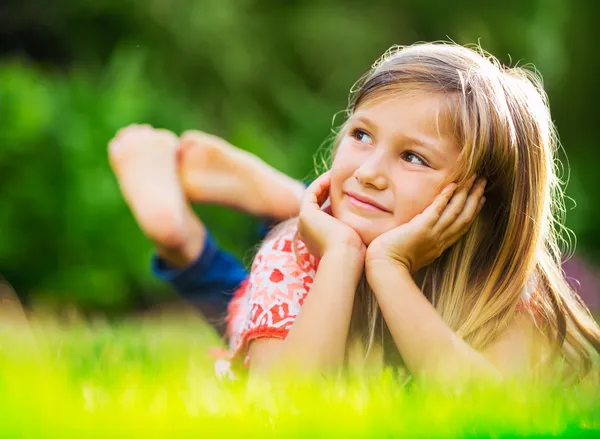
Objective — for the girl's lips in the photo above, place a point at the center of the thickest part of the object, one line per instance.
(365, 203)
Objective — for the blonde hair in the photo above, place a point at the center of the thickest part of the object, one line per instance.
(503, 126)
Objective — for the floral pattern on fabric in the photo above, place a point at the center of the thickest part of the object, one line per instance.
(267, 304)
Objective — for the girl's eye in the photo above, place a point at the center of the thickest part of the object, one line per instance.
(413, 158)
(362, 136)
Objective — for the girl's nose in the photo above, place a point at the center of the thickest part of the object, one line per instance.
(371, 173)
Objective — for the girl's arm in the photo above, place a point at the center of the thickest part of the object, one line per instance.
(430, 348)
(427, 344)
(317, 339)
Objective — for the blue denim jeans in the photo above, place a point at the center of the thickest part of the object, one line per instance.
(208, 283)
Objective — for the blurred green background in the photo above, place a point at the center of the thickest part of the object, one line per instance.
(266, 75)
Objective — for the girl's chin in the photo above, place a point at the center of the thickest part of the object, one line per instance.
(367, 237)
(366, 231)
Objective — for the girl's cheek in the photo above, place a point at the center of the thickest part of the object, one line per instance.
(338, 176)
(348, 159)
(412, 196)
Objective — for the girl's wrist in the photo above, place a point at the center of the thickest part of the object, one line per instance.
(348, 255)
(377, 268)
(349, 242)
(379, 257)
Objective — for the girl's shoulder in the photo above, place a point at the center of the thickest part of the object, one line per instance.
(282, 271)
(267, 304)
(283, 246)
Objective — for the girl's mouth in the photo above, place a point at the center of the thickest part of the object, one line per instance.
(365, 203)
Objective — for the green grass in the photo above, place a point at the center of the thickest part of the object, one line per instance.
(153, 378)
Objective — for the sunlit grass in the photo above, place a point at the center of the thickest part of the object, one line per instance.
(153, 378)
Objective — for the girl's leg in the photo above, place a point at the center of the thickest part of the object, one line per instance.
(208, 282)
(158, 174)
(214, 171)
(145, 162)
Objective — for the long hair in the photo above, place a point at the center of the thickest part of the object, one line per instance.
(502, 124)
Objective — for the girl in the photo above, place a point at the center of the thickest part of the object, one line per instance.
(411, 256)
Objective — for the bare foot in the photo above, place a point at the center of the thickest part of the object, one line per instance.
(145, 163)
(214, 171)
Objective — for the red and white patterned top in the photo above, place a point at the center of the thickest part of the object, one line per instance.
(267, 304)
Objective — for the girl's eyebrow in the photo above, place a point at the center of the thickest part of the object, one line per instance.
(364, 120)
(424, 141)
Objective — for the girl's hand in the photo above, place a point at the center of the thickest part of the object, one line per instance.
(423, 239)
(319, 230)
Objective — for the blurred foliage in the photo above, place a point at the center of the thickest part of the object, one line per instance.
(266, 75)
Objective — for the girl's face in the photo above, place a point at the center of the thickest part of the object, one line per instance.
(392, 161)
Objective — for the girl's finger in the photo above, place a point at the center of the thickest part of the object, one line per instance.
(432, 214)
(479, 207)
(472, 207)
(455, 206)
(451, 239)
(318, 191)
